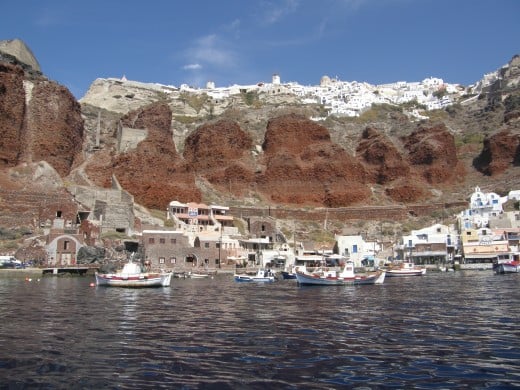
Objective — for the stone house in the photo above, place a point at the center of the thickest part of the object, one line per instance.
(63, 243)
(176, 251)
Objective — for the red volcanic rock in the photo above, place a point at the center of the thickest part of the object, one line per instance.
(221, 152)
(303, 166)
(432, 151)
(214, 145)
(500, 151)
(406, 193)
(12, 107)
(300, 131)
(153, 172)
(383, 161)
(56, 126)
(42, 122)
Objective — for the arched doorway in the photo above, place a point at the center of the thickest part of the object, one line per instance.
(191, 261)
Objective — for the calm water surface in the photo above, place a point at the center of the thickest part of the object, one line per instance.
(449, 330)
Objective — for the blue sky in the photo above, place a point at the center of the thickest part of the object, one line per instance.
(245, 42)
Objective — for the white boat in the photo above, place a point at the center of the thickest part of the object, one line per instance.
(196, 275)
(346, 277)
(510, 267)
(405, 269)
(133, 275)
(262, 275)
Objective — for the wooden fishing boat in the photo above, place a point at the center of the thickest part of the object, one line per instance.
(346, 277)
(133, 275)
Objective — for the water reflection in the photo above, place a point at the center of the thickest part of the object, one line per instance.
(438, 331)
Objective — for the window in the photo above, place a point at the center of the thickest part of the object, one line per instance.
(173, 260)
(206, 245)
(162, 241)
(151, 240)
(161, 260)
(173, 241)
(354, 248)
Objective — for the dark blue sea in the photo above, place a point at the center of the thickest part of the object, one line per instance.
(440, 331)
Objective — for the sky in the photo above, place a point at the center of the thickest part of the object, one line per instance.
(174, 42)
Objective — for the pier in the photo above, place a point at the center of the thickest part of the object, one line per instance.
(47, 271)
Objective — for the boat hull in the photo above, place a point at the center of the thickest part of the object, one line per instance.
(248, 278)
(316, 280)
(288, 275)
(398, 273)
(506, 268)
(134, 281)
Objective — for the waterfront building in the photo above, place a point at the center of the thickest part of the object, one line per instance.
(356, 248)
(432, 246)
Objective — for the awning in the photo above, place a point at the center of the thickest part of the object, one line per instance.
(481, 256)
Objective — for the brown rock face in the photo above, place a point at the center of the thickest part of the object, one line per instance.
(303, 166)
(213, 146)
(381, 158)
(56, 135)
(154, 172)
(500, 151)
(12, 106)
(406, 193)
(49, 127)
(432, 151)
(221, 153)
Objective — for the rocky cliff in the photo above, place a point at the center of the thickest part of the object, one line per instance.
(257, 150)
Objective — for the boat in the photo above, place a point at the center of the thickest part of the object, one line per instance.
(196, 275)
(292, 273)
(133, 275)
(510, 267)
(347, 276)
(405, 269)
(262, 275)
(288, 275)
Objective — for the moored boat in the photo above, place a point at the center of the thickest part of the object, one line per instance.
(405, 269)
(262, 275)
(133, 275)
(288, 275)
(292, 273)
(346, 277)
(197, 275)
(511, 267)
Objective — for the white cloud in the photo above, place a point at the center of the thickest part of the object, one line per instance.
(192, 67)
(211, 50)
(277, 11)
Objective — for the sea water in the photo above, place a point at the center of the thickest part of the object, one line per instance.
(441, 330)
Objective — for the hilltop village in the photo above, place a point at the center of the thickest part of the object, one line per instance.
(340, 98)
(205, 238)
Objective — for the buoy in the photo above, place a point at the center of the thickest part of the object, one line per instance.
(92, 284)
